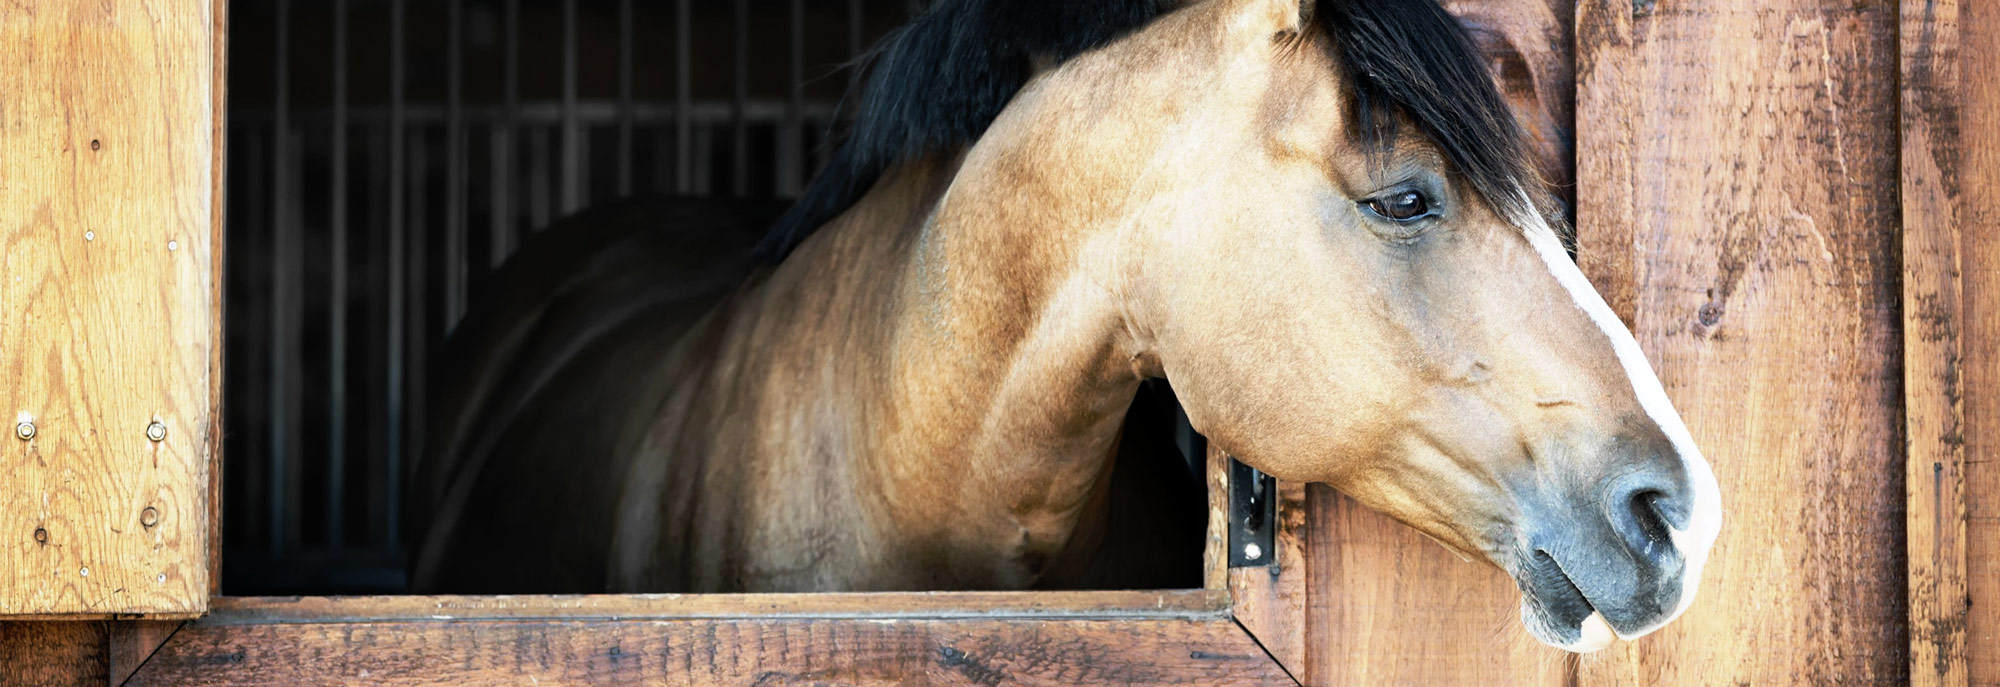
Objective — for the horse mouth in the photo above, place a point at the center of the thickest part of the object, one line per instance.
(1562, 615)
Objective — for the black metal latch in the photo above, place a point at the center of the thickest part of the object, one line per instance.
(1253, 515)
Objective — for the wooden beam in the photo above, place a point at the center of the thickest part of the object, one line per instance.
(1199, 604)
(107, 319)
(53, 654)
(706, 652)
(1736, 173)
(1270, 601)
(130, 643)
(1950, 187)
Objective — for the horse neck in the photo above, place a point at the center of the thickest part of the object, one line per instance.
(999, 373)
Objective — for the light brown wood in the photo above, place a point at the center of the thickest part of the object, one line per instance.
(107, 320)
(218, 231)
(1389, 607)
(711, 652)
(1737, 170)
(1178, 603)
(1950, 69)
(1215, 554)
(1270, 601)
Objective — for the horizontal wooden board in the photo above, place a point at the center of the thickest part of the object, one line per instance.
(710, 652)
(1176, 603)
(107, 319)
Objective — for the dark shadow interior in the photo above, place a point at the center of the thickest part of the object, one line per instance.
(383, 155)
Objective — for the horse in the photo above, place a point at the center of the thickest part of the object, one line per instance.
(1316, 220)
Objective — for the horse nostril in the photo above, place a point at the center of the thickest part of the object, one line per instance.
(1645, 507)
(1640, 518)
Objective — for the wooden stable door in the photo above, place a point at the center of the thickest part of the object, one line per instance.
(109, 311)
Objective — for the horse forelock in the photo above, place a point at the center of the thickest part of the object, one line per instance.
(936, 84)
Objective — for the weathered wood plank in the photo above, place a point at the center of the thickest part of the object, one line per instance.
(1737, 169)
(710, 652)
(130, 643)
(1389, 607)
(106, 306)
(1270, 601)
(1950, 67)
(53, 654)
(1173, 603)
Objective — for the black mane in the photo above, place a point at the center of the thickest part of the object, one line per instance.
(936, 83)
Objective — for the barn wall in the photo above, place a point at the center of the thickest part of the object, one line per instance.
(1737, 201)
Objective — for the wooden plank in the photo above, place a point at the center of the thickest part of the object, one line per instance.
(130, 643)
(107, 320)
(1215, 550)
(1388, 606)
(1270, 601)
(1736, 170)
(1177, 603)
(53, 654)
(1950, 186)
(218, 175)
(705, 652)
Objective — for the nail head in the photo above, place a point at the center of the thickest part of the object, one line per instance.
(156, 431)
(90, 236)
(173, 245)
(149, 517)
(25, 430)
(1253, 551)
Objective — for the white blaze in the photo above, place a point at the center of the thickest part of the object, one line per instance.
(1705, 516)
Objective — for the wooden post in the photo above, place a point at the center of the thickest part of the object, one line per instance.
(1737, 175)
(1950, 70)
(108, 317)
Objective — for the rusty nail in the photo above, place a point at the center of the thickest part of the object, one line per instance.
(156, 431)
(149, 517)
(25, 430)
(94, 145)
(41, 535)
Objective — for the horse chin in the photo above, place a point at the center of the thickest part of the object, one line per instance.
(1592, 634)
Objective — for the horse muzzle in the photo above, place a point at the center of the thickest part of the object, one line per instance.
(1615, 559)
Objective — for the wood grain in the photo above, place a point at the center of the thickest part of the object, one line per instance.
(106, 306)
(1387, 606)
(1178, 604)
(1737, 176)
(1270, 601)
(131, 643)
(711, 652)
(1950, 69)
(53, 654)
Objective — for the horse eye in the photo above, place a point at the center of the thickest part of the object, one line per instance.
(1401, 207)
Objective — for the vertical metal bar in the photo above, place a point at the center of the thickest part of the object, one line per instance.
(504, 218)
(336, 419)
(683, 99)
(793, 158)
(739, 97)
(393, 405)
(625, 105)
(454, 165)
(256, 369)
(281, 352)
(572, 191)
(419, 324)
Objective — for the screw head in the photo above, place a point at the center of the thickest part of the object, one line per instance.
(156, 431)
(149, 517)
(25, 430)
(1253, 551)
(173, 245)
(90, 236)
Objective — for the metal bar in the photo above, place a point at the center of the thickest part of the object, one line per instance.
(683, 99)
(571, 190)
(504, 217)
(793, 157)
(256, 427)
(336, 417)
(589, 113)
(454, 164)
(281, 354)
(393, 405)
(625, 68)
(419, 325)
(739, 128)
